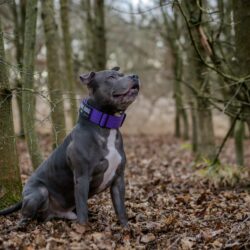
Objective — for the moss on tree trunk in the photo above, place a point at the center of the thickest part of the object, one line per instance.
(10, 181)
(28, 98)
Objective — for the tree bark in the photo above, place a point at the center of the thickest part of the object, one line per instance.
(181, 119)
(100, 36)
(19, 38)
(28, 100)
(95, 46)
(241, 10)
(194, 127)
(171, 37)
(54, 72)
(206, 140)
(239, 142)
(10, 181)
(68, 58)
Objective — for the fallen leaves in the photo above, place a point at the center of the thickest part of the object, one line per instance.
(147, 238)
(167, 205)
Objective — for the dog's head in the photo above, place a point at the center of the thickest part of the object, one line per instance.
(111, 90)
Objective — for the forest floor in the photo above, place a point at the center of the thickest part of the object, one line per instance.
(170, 205)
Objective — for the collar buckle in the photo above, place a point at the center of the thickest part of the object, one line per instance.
(85, 111)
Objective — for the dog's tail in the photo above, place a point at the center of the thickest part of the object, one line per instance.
(11, 209)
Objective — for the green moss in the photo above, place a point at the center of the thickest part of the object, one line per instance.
(11, 195)
(222, 175)
(9, 199)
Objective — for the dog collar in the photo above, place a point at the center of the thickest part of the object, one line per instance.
(102, 119)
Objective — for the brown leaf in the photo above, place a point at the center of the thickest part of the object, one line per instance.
(147, 238)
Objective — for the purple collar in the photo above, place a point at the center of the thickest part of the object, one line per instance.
(102, 119)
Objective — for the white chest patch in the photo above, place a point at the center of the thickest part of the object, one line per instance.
(114, 159)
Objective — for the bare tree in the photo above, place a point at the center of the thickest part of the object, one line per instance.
(206, 140)
(95, 45)
(68, 58)
(99, 35)
(171, 36)
(242, 53)
(54, 71)
(10, 181)
(18, 11)
(28, 100)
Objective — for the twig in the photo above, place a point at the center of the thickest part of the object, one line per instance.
(231, 99)
(142, 11)
(225, 138)
(221, 73)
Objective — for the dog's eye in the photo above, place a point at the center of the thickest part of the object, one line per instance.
(111, 77)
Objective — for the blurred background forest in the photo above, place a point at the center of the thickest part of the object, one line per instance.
(191, 56)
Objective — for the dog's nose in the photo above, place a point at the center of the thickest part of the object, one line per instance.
(135, 77)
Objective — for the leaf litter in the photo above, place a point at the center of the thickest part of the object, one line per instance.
(168, 206)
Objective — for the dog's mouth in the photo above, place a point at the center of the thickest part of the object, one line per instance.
(132, 91)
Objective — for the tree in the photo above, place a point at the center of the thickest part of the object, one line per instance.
(28, 100)
(68, 58)
(206, 141)
(241, 18)
(171, 36)
(54, 72)
(18, 12)
(10, 181)
(100, 38)
(95, 44)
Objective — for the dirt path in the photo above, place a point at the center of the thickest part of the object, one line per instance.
(168, 208)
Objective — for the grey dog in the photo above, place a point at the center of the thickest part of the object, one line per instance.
(90, 159)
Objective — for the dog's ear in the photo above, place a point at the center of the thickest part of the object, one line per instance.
(87, 78)
(116, 68)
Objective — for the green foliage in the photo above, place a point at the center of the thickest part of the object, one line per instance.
(221, 175)
(187, 146)
(11, 195)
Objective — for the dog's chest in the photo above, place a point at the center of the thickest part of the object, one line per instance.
(114, 159)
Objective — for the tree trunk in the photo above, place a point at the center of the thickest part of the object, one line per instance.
(28, 99)
(206, 141)
(54, 72)
(194, 127)
(239, 142)
(241, 10)
(68, 58)
(89, 36)
(95, 46)
(181, 119)
(171, 36)
(10, 181)
(19, 38)
(100, 38)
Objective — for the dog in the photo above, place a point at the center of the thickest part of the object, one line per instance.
(89, 160)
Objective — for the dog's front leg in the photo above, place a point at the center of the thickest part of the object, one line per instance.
(118, 199)
(81, 198)
(80, 167)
